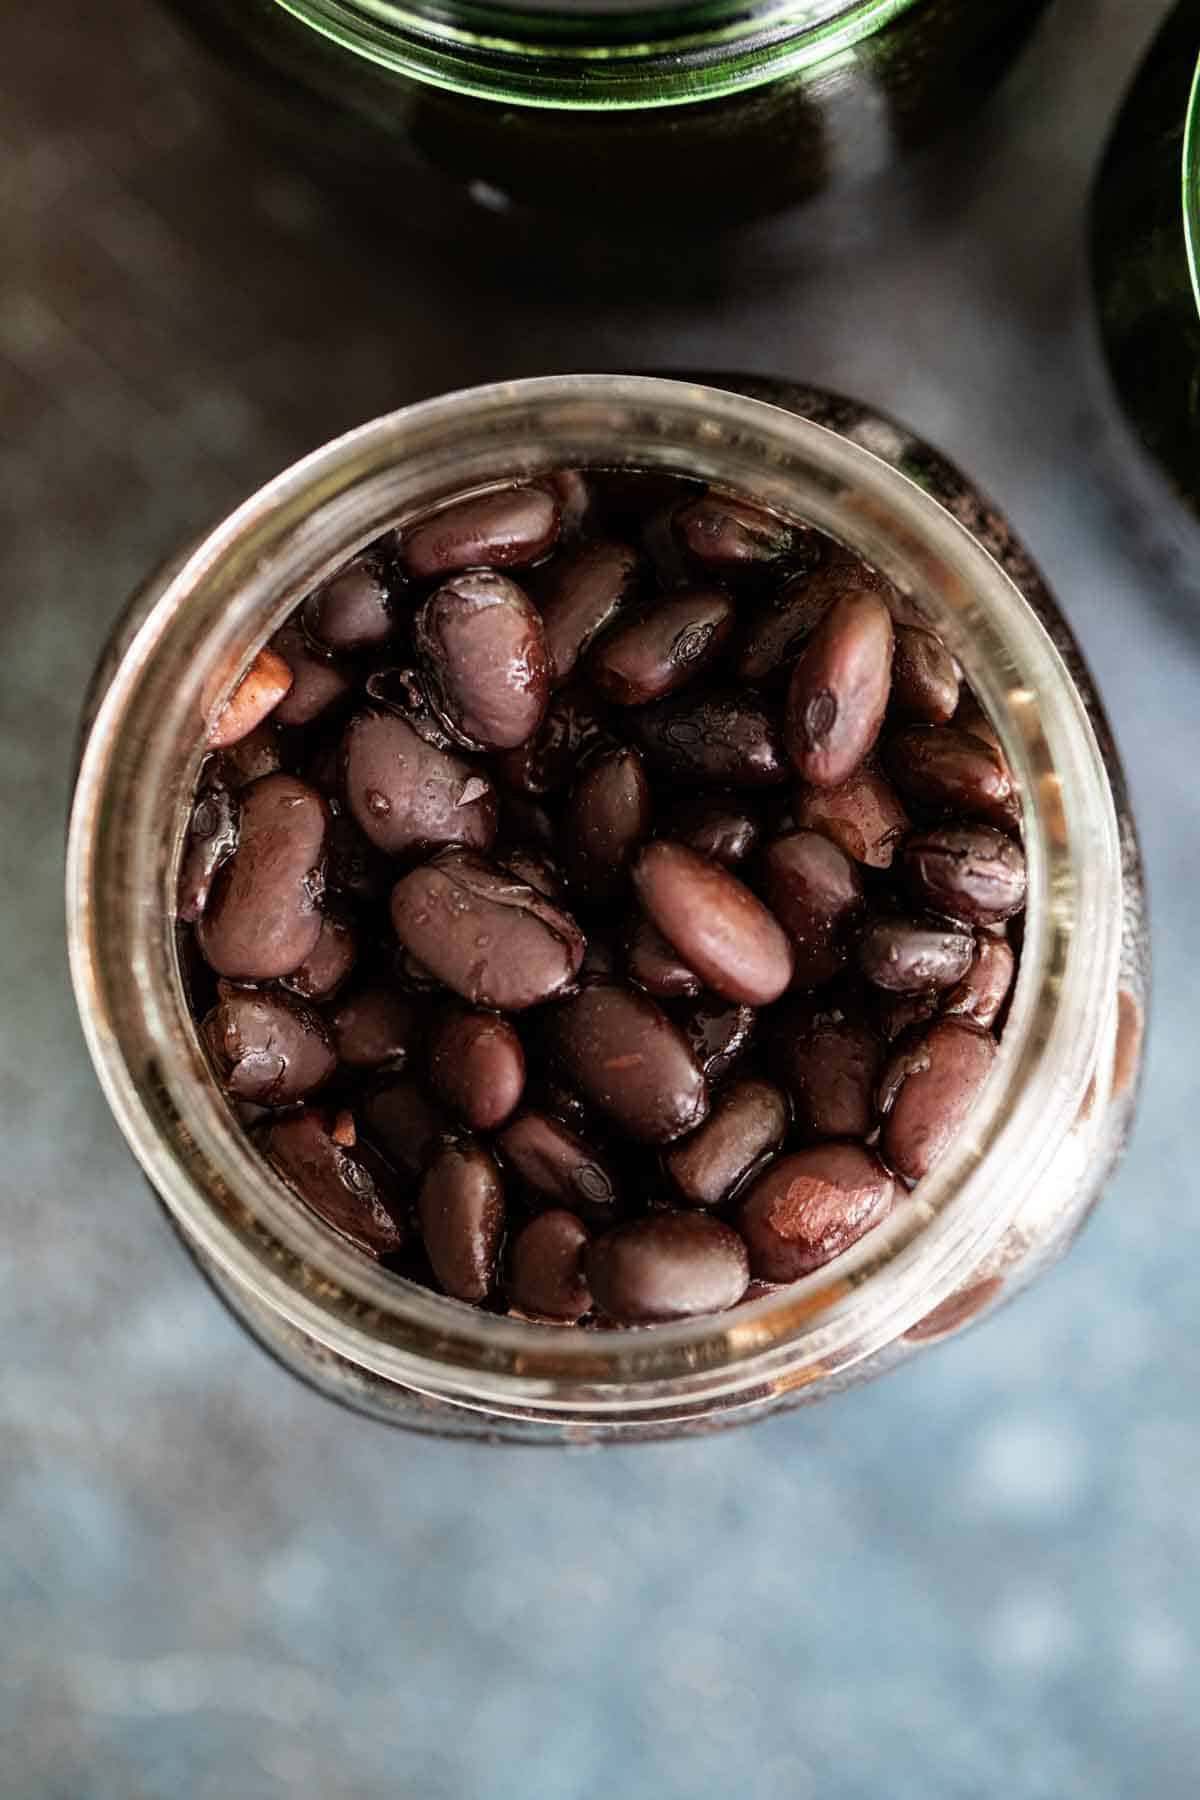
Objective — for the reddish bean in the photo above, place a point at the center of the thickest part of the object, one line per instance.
(317, 683)
(925, 684)
(748, 1122)
(484, 652)
(508, 528)
(669, 1265)
(717, 925)
(723, 537)
(862, 816)
(839, 690)
(927, 1090)
(266, 1047)
(816, 893)
(906, 956)
(811, 1206)
(263, 915)
(942, 767)
(624, 1055)
(407, 796)
(661, 648)
(654, 964)
(330, 962)
(608, 817)
(461, 1208)
(969, 872)
(258, 693)
(477, 1066)
(546, 1278)
(584, 593)
(985, 987)
(350, 1189)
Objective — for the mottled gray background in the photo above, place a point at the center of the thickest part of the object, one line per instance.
(981, 1577)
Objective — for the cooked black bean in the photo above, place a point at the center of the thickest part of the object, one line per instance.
(549, 761)
(608, 816)
(985, 987)
(532, 866)
(557, 1164)
(894, 1014)
(722, 536)
(506, 529)
(354, 609)
(828, 1058)
(662, 647)
(718, 826)
(669, 1265)
(970, 872)
(259, 692)
(925, 684)
(581, 595)
(211, 840)
(942, 767)
(409, 797)
(816, 893)
(656, 966)
(719, 927)
(927, 1089)
(906, 955)
(719, 1034)
(375, 1027)
(782, 622)
(484, 654)
(807, 1208)
(748, 1122)
(494, 940)
(545, 1271)
(351, 1189)
(838, 692)
(862, 816)
(318, 683)
(264, 910)
(477, 1066)
(624, 1055)
(266, 1047)
(398, 1115)
(723, 739)
(460, 1205)
(329, 963)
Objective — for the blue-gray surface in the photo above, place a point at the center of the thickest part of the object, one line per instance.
(981, 1577)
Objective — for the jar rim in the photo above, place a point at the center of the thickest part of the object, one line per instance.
(1190, 177)
(215, 608)
(656, 55)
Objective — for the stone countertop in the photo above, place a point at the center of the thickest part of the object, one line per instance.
(981, 1576)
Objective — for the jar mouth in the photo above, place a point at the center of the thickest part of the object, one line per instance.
(210, 614)
(602, 56)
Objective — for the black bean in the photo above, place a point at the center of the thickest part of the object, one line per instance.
(495, 941)
(669, 1265)
(258, 693)
(716, 825)
(330, 962)
(375, 1027)
(943, 767)
(828, 1059)
(624, 1055)
(549, 761)
(608, 817)
(581, 595)
(477, 1066)
(925, 684)
(408, 797)
(906, 955)
(263, 915)
(862, 816)
(661, 648)
(211, 840)
(354, 609)
(723, 739)
(266, 1047)
(927, 1089)
(399, 1116)
(816, 893)
(839, 690)
(460, 1205)
(506, 529)
(484, 654)
(317, 683)
(545, 1273)
(656, 966)
(351, 1189)
(719, 1034)
(556, 1164)
(723, 537)
(534, 867)
(718, 926)
(748, 1122)
(969, 872)
(985, 987)
(809, 1207)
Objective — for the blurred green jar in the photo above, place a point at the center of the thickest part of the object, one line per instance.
(1145, 236)
(607, 128)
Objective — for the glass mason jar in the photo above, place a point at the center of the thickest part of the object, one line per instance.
(1145, 241)
(1016, 1184)
(598, 131)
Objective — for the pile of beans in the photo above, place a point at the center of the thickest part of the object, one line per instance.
(601, 899)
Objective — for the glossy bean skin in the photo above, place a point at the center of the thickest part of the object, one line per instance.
(460, 1205)
(668, 1265)
(549, 761)
(662, 648)
(829, 1060)
(722, 536)
(318, 684)
(585, 593)
(981, 993)
(782, 622)
(608, 817)
(257, 694)
(656, 966)
(353, 610)
(212, 838)
(397, 1114)
(928, 1087)
(375, 1027)
(558, 1165)
(748, 1123)
(409, 797)
(482, 647)
(329, 964)
(266, 1047)
(724, 739)
(925, 684)
(862, 816)
(533, 867)
(969, 872)
(545, 1274)
(717, 826)
(495, 941)
(719, 1033)
(351, 1189)
(718, 926)
(946, 769)
(816, 893)
(263, 915)
(809, 1207)
(626, 1057)
(476, 1067)
(838, 692)
(905, 956)
(509, 528)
